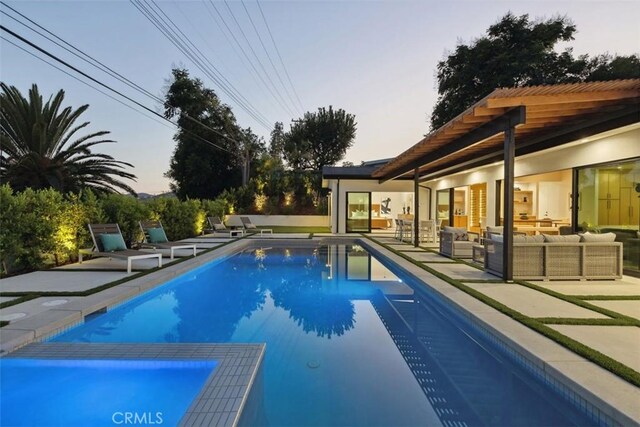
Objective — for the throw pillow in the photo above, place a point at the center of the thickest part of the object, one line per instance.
(112, 242)
(459, 233)
(597, 237)
(157, 235)
(571, 238)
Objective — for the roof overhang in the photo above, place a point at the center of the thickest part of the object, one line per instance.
(543, 117)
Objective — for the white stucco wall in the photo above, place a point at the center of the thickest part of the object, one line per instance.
(281, 220)
(620, 144)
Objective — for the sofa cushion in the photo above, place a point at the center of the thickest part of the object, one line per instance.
(497, 238)
(597, 237)
(495, 229)
(571, 238)
(538, 238)
(459, 233)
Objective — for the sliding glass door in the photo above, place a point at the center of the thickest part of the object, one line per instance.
(358, 212)
(609, 201)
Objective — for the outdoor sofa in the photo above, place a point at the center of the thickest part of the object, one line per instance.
(544, 257)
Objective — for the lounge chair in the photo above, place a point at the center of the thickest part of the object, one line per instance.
(251, 228)
(217, 226)
(155, 238)
(113, 245)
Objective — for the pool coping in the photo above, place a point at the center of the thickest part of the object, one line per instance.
(220, 400)
(598, 391)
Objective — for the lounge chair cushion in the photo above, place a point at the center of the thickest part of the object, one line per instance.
(157, 235)
(597, 237)
(112, 242)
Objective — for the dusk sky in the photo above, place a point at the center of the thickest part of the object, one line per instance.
(376, 60)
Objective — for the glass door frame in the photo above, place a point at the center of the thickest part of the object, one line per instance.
(346, 216)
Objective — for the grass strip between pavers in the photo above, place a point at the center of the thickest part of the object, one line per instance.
(577, 301)
(621, 370)
(582, 322)
(608, 297)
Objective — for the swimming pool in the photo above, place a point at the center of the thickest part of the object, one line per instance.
(52, 392)
(349, 342)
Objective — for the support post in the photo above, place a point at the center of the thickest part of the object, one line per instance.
(416, 207)
(507, 186)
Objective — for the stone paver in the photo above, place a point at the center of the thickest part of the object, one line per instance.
(629, 308)
(7, 299)
(105, 263)
(619, 342)
(533, 303)
(428, 257)
(206, 240)
(460, 271)
(34, 306)
(51, 281)
(403, 247)
(626, 286)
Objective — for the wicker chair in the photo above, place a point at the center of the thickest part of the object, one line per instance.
(457, 242)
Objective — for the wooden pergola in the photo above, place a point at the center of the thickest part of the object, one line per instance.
(513, 122)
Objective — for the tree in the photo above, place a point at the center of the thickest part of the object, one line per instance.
(199, 169)
(251, 147)
(319, 139)
(517, 52)
(38, 149)
(276, 142)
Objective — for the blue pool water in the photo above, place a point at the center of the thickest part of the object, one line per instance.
(46, 392)
(349, 342)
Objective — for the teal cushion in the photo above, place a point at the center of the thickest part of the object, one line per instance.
(157, 235)
(112, 242)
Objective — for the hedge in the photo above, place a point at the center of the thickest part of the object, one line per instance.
(42, 228)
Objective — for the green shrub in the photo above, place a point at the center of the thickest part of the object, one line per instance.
(72, 233)
(181, 220)
(217, 207)
(127, 212)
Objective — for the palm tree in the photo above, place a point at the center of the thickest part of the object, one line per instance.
(36, 149)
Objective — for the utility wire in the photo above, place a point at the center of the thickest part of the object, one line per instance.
(244, 53)
(52, 56)
(269, 56)
(101, 66)
(84, 83)
(163, 26)
(279, 56)
(262, 67)
(219, 77)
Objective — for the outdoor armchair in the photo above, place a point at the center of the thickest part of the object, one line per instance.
(457, 242)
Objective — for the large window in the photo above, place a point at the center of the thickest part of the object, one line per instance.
(609, 201)
(358, 212)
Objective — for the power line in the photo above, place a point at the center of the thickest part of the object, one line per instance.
(269, 55)
(82, 81)
(104, 68)
(244, 53)
(278, 52)
(264, 70)
(54, 57)
(164, 27)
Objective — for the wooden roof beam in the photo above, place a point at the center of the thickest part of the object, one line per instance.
(561, 98)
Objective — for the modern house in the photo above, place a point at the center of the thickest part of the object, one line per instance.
(540, 157)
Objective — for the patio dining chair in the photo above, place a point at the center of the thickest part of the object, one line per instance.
(156, 238)
(108, 242)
